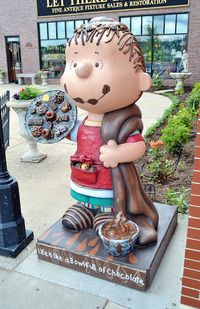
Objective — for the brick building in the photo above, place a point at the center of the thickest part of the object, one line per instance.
(191, 274)
(33, 33)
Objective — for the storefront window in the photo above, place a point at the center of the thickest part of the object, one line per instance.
(61, 30)
(163, 39)
(53, 37)
(136, 25)
(170, 23)
(158, 24)
(146, 25)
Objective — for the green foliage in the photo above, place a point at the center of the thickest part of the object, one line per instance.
(178, 198)
(159, 166)
(157, 81)
(177, 131)
(179, 92)
(27, 93)
(194, 97)
(175, 102)
(175, 136)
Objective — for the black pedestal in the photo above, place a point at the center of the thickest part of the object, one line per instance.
(84, 252)
(13, 235)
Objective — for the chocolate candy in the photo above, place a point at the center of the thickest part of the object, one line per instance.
(41, 110)
(62, 118)
(65, 107)
(47, 134)
(35, 122)
(50, 115)
(53, 105)
(37, 131)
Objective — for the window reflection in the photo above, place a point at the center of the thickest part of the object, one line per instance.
(69, 28)
(126, 21)
(61, 29)
(52, 30)
(53, 57)
(78, 23)
(136, 25)
(163, 44)
(182, 23)
(52, 44)
(147, 25)
(158, 24)
(168, 53)
(170, 24)
(43, 31)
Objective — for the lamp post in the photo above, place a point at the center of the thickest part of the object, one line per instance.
(13, 235)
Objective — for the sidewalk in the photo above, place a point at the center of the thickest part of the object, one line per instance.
(27, 282)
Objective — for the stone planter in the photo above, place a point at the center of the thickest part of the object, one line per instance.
(2, 77)
(32, 155)
(44, 75)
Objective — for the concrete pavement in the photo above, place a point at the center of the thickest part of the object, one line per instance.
(27, 282)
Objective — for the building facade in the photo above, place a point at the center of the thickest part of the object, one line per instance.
(33, 33)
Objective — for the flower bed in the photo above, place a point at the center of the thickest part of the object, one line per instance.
(168, 162)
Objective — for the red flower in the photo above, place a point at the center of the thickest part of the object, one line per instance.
(22, 90)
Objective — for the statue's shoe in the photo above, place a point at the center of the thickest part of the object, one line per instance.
(78, 217)
(102, 218)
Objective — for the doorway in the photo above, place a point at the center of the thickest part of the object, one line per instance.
(13, 57)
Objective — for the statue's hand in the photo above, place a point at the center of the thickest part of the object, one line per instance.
(108, 152)
(120, 217)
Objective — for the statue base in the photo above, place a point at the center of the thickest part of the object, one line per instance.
(83, 251)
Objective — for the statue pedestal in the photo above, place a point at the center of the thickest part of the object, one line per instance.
(180, 77)
(84, 252)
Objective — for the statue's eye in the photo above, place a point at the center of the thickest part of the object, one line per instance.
(96, 64)
(75, 65)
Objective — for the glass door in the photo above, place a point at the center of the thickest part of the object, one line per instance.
(13, 57)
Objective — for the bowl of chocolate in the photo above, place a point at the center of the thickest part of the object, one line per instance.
(119, 238)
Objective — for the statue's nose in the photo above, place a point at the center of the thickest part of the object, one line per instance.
(83, 70)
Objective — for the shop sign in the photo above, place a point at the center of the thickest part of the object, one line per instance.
(67, 7)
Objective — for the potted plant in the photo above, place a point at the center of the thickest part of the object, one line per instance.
(44, 74)
(2, 73)
(19, 103)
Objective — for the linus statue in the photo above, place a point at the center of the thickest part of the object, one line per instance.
(105, 76)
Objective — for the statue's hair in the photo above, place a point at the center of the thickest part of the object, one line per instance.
(98, 28)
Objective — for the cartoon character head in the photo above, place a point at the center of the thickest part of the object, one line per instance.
(105, 69)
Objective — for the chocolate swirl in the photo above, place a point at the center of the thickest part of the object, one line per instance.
(117, 230)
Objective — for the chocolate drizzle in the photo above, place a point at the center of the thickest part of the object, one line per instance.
(116, 230)
(126, 40)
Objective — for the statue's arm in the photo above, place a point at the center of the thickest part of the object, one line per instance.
(113, 154)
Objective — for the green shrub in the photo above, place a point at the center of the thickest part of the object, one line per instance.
(194, 97)
(185, 116)
(178, 198)
(157, 81)
(175, 135)
(159, 166)
(177, 131)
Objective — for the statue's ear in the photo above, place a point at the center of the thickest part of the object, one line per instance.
(145, 81)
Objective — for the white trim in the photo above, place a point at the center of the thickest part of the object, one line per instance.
(101, 193)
